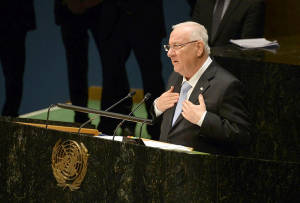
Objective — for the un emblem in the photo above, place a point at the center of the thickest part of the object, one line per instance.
(69, 163)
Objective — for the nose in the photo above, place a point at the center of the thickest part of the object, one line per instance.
(171, 52)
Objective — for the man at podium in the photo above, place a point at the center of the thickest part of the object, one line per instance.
(203, 106)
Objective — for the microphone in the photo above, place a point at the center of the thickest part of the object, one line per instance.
(47, 119)
(146, 97)
(129, 95)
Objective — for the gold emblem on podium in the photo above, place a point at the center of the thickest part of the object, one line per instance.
(69, 163)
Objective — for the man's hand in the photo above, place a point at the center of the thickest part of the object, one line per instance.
(167, 100)
(192, 112)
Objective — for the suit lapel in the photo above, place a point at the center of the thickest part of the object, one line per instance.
(201, 86)
(226, 18)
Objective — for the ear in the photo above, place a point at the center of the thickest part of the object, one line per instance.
(200, 46)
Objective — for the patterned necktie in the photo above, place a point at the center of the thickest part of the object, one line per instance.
(217, 17)
(183, 94)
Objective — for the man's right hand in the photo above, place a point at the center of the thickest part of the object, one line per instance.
(167, 100)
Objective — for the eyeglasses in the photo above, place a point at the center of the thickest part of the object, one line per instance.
(167, 47)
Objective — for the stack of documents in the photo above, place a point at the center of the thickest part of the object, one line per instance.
(255, 43)
(152, 143)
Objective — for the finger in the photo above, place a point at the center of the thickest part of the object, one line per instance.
(185, 106)
(201, 99)
(188, 104)
(169, 105)
(173, 94)
(170, 98)
(184, 115)
(173, 98)
(165, 105)
(171, 101)
(171, 89)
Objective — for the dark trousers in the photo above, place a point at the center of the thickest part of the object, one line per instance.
(12, 58)
(147, 50)
(76, 39)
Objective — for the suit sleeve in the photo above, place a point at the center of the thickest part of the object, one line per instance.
(253, 25)
(231, 123)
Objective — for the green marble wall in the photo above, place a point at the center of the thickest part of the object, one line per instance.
(120, 172)
(282, 18)
(273, 98)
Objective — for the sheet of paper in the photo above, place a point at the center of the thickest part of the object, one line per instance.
(151, 143)
(164, 145)
(255, 43)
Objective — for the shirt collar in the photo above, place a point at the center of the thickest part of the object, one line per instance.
(194, 79)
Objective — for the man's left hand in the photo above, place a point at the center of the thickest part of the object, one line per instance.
(192, 112)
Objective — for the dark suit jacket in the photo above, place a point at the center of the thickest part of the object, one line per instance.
(243, 19)
(104, 15)
(226, 125)
(146, 17)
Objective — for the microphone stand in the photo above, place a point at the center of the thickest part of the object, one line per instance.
(105, 113)
(136, 108)
(48, 114)
(133, 140)
(129, 95)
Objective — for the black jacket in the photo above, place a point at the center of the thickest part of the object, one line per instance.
(226, 125)
(242, 19)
